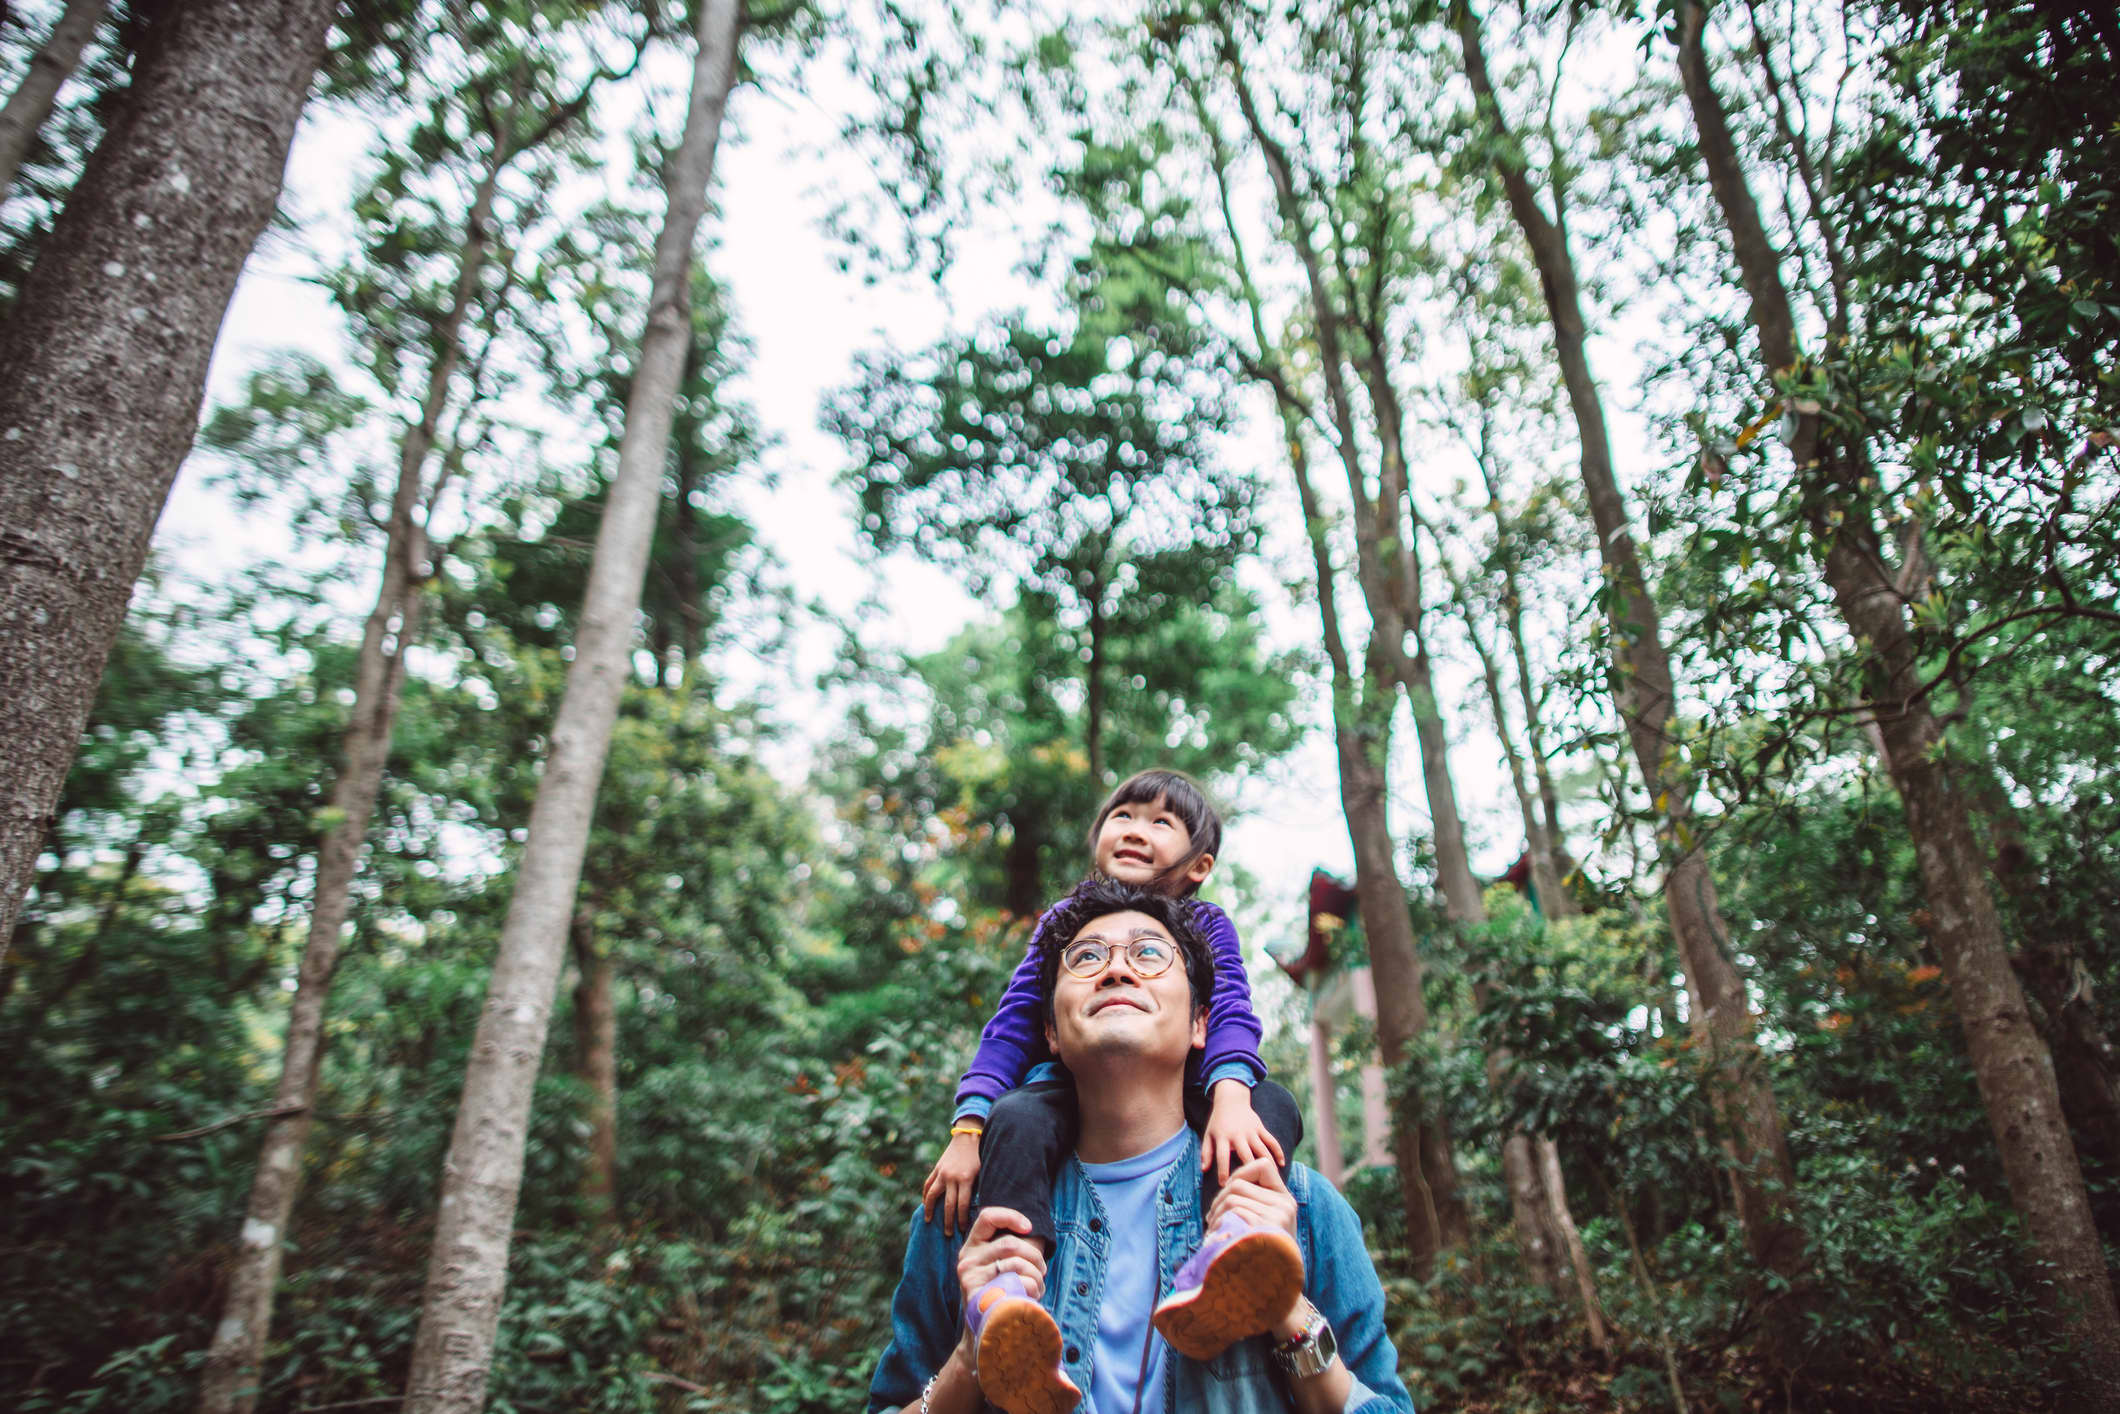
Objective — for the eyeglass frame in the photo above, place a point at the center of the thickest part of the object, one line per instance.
(1112, 950)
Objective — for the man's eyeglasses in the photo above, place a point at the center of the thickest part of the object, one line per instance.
(1149, 957)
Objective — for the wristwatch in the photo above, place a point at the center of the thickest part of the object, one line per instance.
(1310, 1353)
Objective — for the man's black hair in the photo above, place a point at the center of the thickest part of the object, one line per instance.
(1181, 796)
(1098, 897)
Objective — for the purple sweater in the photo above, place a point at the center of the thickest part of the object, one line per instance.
(1014, 1041)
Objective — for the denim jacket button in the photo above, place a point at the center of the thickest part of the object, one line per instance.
(1073, 1355)
(1081, 1288)
(1096, 1225)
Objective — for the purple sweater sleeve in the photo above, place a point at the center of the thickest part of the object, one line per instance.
(1014, 1040)
(1232, 1026)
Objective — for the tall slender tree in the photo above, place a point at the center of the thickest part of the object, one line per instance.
(137, 275)
(2009, 1059)
(1645, 693)
(482, 1175)
(52, 64)
(495, 135)
(1364, 696)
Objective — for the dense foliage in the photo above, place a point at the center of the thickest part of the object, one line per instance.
(803, 893)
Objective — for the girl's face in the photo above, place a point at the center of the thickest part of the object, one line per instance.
(1139, 843)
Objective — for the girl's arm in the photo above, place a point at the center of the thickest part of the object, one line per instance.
(1014, 1040)
(1232, 1026)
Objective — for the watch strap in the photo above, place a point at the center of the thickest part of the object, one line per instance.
(1310, 1353)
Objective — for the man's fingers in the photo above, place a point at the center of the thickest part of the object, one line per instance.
(993, 1220)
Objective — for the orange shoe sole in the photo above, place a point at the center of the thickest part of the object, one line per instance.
(1019, 1361)
(1253, 1284)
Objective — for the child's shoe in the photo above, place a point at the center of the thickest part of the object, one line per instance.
(1241, 1282)
(1016, 1350)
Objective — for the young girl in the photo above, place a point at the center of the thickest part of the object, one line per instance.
(1156, 830)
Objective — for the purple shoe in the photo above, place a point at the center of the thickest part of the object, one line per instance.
(1241, 1282)
(1016, 1349)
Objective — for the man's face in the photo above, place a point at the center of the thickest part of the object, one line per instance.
(1118, 1011)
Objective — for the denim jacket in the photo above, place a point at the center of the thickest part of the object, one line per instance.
(1338, 1277)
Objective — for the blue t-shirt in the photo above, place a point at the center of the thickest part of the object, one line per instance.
(1127, 1189)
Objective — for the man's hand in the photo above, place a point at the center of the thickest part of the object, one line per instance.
(949, 1183)
(1256, 1194)
(1234, 1135)
(993, 1247)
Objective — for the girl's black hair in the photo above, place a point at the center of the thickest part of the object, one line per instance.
(1181, 796)
(1098, 897)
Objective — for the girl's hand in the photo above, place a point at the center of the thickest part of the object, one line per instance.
(1234, 1135)
(950, 1183)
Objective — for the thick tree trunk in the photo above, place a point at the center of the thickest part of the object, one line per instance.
(136, 276)
(596, 1052)
(482, 1175)
(1721, 1015)
(230, 1382)
(50, 67)
(2010, 1062)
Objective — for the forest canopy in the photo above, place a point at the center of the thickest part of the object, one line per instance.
(573, 574)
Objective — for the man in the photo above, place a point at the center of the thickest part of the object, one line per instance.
(1077, 1327)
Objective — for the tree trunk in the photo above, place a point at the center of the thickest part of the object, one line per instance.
(2084, 1063)
(596, 1052)
(1549, 1162)
(691, 605)
(1721, 1014)
(233, 1362)
(2010, 1062)
(230, 1382)
(1538, 848)
(1554, 842)
(1427, 1177)
(1537, 1240)
(1093, 693)
(1389, 582)
(482, 1175)
(1022, 881)
(136, 276)
(50, 67)
(1435, 1215)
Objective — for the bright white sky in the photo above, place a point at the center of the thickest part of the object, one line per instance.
(806, 321)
